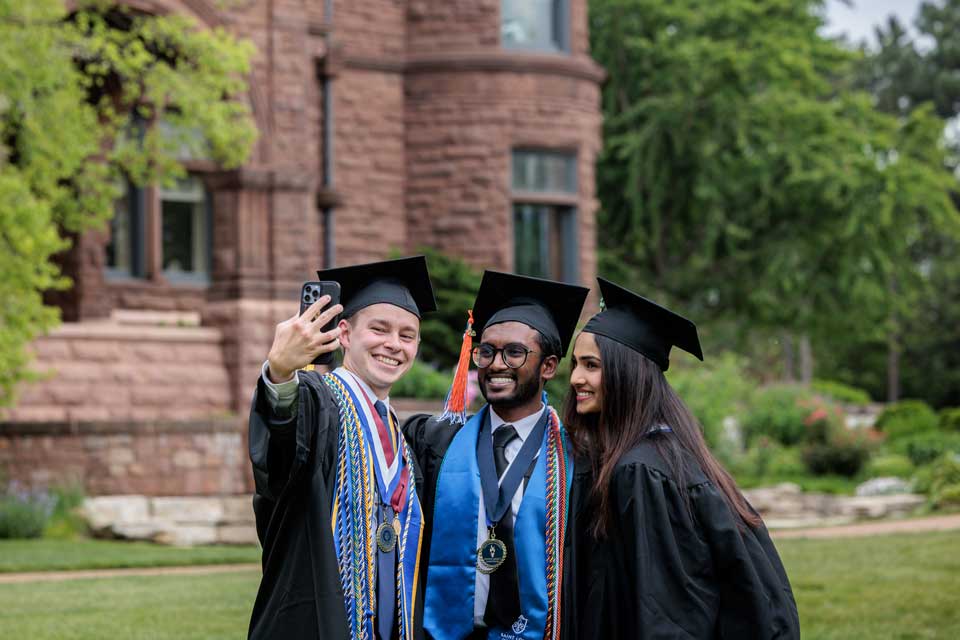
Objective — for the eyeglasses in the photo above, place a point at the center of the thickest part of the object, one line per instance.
(514, 355)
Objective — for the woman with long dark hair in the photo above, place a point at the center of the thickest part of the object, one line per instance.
(662, 544)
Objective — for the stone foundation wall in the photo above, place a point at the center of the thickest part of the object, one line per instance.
(200, 458)
(146, 368)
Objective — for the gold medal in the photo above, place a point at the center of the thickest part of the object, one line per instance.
(396, 525)
(491, 554)
(386, 537)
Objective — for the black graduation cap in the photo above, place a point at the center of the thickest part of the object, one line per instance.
(404, 283)
(552, 308)
(643, 325)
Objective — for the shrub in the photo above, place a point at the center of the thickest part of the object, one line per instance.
(713, 391)
(950, 419)
(785, 462)
(843, 454)
(455, 286)
(65, 522)
(755, 462)
(840, 392)
(945, 481)
(891, 464)
(424, 382)
(949, 496)
(777, 412)
(906, 418)
(924, 448)
(24, 513)
(558, 386)
(922, 479)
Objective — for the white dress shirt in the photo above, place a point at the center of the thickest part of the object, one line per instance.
(523, 427)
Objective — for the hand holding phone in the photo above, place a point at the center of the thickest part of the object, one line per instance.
(309, 294)
(309, 336)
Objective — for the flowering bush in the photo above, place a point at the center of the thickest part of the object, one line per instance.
(843, 454)
(822, 422)
(831, 448)
(777, 412)
(23, 512)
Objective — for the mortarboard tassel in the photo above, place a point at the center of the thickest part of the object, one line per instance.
(455, 407)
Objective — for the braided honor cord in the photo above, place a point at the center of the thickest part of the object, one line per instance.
(556, 524)
(353, 511)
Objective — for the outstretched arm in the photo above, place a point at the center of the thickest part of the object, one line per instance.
(297, 341)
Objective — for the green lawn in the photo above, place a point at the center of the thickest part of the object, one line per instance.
(52, 555)
(896, 587)
(130, 608)
(886, 588)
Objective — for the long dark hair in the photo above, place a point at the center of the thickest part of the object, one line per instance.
(636, 400)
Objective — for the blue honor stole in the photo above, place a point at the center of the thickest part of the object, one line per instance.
(451, 577)
(360, 477)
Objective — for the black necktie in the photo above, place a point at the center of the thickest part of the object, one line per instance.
(503, 599)
(501, 438)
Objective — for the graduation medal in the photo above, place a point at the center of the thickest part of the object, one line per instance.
(491, 554)
(386, 537)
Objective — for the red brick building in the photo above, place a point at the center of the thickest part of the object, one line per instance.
(471, 126)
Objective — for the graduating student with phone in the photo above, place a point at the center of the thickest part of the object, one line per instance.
(337, 499)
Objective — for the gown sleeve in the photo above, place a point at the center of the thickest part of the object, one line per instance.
(756, 600)
(694, 573)
(294, 469)
(280, 444)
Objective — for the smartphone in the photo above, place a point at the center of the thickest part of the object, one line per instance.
(310, 293)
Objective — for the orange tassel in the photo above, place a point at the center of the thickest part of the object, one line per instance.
(455, 408)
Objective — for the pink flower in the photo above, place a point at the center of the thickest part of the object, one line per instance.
(816, 415)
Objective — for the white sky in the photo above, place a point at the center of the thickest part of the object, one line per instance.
(858, 21)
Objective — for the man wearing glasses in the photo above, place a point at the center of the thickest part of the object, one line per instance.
(495, 488)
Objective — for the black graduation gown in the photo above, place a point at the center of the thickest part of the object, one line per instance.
(294, 469)
(669, 571)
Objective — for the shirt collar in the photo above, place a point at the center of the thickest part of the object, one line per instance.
(523, 426)
(363, 385)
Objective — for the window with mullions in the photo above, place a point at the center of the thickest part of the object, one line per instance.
(182, 252)
(185, 230)
(544, 214)
(538, 25)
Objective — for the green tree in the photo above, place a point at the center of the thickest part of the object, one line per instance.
(89, 98)
(740, 179)
(922, 331)
(455, 287)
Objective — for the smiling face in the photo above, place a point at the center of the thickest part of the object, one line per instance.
(379, 345)
(514, 393)
(585, 374)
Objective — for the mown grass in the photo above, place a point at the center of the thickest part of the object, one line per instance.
(898, 587)
(131, 608)
(62, 555)
(895, 587)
